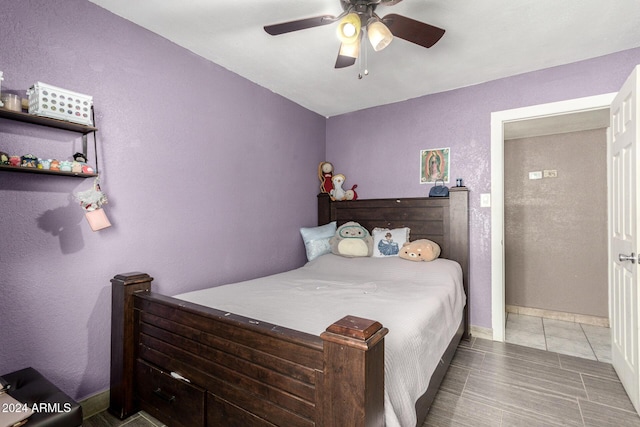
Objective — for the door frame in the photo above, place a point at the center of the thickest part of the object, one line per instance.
(498, 121)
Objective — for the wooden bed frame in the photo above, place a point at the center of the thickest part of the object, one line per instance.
(190, 365)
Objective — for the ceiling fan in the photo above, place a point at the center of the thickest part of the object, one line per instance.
(359, 18)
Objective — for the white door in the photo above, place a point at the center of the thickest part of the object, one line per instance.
(624, 236)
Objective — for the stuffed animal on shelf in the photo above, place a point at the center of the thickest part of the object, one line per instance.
(337, 193)
(325, 173)
(420, 250)
(29, 161)
(352, 240)
(66, 165)
(351, 194)
(44, 164)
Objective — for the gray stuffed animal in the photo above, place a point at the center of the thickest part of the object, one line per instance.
(352, 240)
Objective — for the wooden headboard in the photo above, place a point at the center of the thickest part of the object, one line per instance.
(444, 220)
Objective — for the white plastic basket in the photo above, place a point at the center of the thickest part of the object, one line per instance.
(49, 101)
(1, 79)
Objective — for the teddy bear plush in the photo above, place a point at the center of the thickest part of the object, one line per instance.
(352, 240)
(420, 250)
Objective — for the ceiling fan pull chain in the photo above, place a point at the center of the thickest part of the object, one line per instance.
(362, 58)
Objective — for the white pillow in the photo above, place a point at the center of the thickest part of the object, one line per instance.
(316, 239)
(387, 242)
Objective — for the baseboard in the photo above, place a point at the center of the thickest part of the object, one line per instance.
(480, 332)
(558, 315)
(95, 404)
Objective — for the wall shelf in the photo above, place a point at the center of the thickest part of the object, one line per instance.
(45, 121)
(21, 169)
(57, 124)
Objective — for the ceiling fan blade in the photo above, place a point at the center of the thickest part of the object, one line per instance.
(343, 61)
(300, 24)
(411, 30)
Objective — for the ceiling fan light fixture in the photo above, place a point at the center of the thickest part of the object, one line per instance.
(349, 28)
(351, 50)
(379, 35)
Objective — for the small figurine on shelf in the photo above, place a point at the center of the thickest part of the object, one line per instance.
(4, 158)
(325, 173)
(14, 160)
(65, 166)
(55, 165)
(44, 163)
(80, 164)
(29, 161)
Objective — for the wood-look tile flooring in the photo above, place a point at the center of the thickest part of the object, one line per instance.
(503, 384)
(105, 419)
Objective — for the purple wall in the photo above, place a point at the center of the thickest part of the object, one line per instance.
(203, 170)
(385, 142)
(209, 178)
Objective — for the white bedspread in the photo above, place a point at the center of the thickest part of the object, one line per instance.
(420, 302)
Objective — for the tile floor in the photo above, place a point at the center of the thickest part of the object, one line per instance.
(574, 339)
(507, 385)
(105, 419)
(557, 337)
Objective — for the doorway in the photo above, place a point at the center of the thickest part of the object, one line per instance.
(556, 282)
(558, 117)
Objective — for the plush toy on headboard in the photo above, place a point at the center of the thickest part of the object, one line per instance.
(338, 192)
(352, 240)
(420, 250)
(325, 173)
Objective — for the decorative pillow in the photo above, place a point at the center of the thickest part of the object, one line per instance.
(420, 250)
(316, 239)
(388, 242)
(352, 240)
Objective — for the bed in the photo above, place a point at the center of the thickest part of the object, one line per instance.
(190, 364)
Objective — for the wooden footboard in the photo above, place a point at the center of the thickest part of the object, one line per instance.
(194, 366)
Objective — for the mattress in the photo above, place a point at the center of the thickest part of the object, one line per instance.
(421, 303)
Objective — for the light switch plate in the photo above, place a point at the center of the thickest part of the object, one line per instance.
(485, 200)
(535, 175)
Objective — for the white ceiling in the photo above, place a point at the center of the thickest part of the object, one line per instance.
(484, 40)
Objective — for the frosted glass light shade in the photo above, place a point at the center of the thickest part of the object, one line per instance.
(379, 35)
(350, 49)
(349, 28)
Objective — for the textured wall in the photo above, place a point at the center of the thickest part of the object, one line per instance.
(378, 148)
(209, 178)
(556, 228)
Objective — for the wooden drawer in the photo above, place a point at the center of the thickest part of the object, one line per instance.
(172, 401)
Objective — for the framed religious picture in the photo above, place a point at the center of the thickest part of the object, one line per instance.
(434, 165)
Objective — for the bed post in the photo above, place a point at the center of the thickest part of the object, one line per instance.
(459, 241)
(123, 332)
(354, 373)
(324, 209)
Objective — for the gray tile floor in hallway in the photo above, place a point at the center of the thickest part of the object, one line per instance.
(575, 339)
